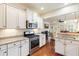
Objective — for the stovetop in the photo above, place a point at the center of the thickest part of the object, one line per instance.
(31, 36)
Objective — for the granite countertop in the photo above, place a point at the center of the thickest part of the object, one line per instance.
(69, 33)
(7, 40)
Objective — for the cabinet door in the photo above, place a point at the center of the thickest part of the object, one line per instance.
(59, 46)
(3, 52)
(70, 16)
(12, 17)
(29, 15)
(27, 46)
(44, 39)
(24, 48)
(71, 50)
(77, 15)
(22, 19)
(14, 51)
(40, 41)
(40, 23)
(2, 15)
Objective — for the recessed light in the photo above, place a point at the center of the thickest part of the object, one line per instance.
(42, 8)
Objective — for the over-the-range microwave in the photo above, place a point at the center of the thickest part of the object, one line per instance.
(31, 25)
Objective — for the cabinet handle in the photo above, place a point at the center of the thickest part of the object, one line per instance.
(20, 46)
(14, 44)
(64, 44)
(5, 52)
(4, 26)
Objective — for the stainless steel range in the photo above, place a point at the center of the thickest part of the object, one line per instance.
(33, 42)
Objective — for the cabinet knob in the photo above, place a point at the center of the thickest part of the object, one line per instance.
(20, 46)
(4, 26)
(64, 44)
(0, 48)
(14, 44)
(5, 52)
(74, 38)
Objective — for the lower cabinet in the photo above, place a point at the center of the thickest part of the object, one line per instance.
(24, 48)
(68, 47)
(14, 51)
(59, 46)
(42, 40)
(20, 48)
(71, 49)
(3, 52)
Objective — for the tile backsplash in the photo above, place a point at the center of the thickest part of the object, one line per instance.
(10, 32)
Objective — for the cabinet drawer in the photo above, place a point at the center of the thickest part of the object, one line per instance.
(13, 44)
(60, 40)
(68, 41)
(2, 47)
(23, 41)
(75, 42)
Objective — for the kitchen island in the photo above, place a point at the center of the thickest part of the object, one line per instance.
(68, 44)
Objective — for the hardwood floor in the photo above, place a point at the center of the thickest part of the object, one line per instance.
(47, 50)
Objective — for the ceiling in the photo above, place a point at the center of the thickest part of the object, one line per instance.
(47, 7)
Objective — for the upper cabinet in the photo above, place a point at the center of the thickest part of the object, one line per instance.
(22, 19)
(40, 23)
(2, 15)
(29, 15)
(12, 17)
(15, 18)
(33, 17)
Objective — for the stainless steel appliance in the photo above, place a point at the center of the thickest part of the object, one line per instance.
(33, 42)
(31, 25)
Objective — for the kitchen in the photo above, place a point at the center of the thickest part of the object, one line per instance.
(26, 29)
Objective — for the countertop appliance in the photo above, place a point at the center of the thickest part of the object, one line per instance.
(33, 42)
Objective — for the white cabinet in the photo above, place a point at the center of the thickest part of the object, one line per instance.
(42, 40)
(77, 15)
(40, 23)
(24, 47)
(71, 49)
(22, 19)
(14, 49)
(27, 46)
(2, 15)
(70, 16)
(59, 46)
(12, 17)
(29, 15)
(67, 47)
(3, 52)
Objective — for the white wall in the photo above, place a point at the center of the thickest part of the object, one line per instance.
(64, 10)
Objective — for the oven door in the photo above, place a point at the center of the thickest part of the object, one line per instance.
(34, 44)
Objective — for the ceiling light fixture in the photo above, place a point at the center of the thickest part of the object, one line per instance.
(42, 8)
